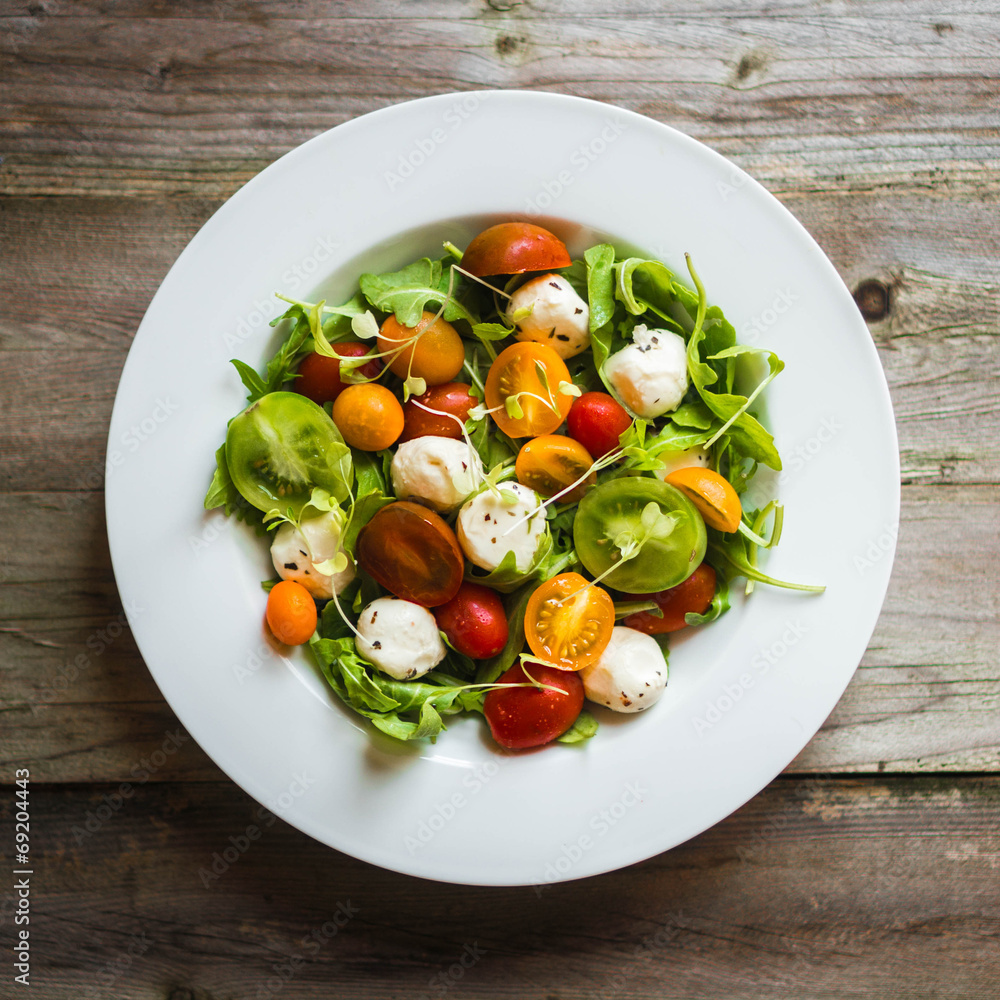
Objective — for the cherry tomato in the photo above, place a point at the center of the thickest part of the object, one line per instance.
(474, 621)
(716, 500)
(549, 463)
(613, 511)
(522, 717)
(596, 421)
(512, 248)
(412, 552)
(431, 351)
(319, 376)
(568, 622)
(291, 613)
(282, 446)
(518, 370)
(369, 416)
(451, 400)
(692, 596)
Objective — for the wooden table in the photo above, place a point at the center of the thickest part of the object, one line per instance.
(870, 868)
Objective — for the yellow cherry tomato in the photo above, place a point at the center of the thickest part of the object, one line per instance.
(716, 500)
(568, 622)
(517, 375)
(369, 416)
(550, 463)
(431, 351)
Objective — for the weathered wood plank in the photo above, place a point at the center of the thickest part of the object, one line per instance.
(80, 705)
(79, 273)
(816, 889)
(145, 97)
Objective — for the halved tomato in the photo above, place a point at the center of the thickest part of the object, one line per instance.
(568, 621)
(514, 247)
(520, 374)
(413, 553)
(550, 463)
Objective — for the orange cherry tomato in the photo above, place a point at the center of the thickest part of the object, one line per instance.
(548, 464)
(451, 402)
(412, 552)
(716, 500)
(568, 622)
(512, 248)
(291, 613)
(693, 596)
(518, 369)
(369, 416)
(431, 351)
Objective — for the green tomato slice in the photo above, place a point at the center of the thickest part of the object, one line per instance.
(613, 511)
(283, 446)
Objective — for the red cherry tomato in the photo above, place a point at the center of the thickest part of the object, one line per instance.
(452, 400)
(319, 376)
(596, 421)
(512, 248)
(474, 621)
(522, 717)
(411, 552)
(692, 596)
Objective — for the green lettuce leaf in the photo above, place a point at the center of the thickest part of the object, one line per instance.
(507, 577)
(408, 292)
(581, 730)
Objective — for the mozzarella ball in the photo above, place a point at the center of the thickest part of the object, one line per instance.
(630, 674)
(650, 374)
(558, 317)
(295, 553)
(484, 519)
(674, 460)
(400, 638)
(438, 470)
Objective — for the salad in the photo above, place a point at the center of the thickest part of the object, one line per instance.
(498, 481)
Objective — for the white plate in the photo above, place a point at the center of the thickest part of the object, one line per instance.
(745, 694)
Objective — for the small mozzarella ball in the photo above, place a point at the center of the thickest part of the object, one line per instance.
(674, 460)
(400, 638)
(650, 374)
(484, 519)
(317, 538)
(558, 317)
(630, 674)
(438, 470)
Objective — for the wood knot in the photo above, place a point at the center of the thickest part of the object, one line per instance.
(873, 299)
(750, 63)
(180, 994)
(506, 44)
(944, 28)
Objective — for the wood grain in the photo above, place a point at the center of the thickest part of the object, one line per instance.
(147, 97)
(846, 888)
(81, 705)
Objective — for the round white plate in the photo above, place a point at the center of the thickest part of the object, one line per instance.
(745, 694)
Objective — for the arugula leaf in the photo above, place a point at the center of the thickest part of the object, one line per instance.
(728, 555)
(404, 710)
(600, 286)
(222, 492)
(507, 577)
(719, 605)
(748, 436)
(693, 416)
(280, 368)
(581, 730)
(407, 292)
